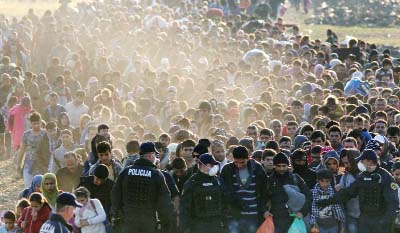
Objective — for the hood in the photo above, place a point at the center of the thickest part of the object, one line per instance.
(330, 155)
(299, 140)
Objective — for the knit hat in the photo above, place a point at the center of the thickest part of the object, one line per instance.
(281, 158)
(367, 154)
(380, 138)
(324, 174)
(299, 154)
(200, 149)
(240, 152)
(101, 171)
(373, 145)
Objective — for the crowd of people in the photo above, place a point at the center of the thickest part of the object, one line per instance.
(143, 116)
(352, 13)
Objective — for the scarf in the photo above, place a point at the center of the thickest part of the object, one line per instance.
(37, 181)
(50, 196)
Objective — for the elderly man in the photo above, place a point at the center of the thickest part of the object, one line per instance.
(68, 177)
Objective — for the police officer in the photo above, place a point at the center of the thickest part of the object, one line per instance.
(140, 194)
(377, 192)
(201, 203)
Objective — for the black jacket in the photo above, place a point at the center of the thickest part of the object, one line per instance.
(233, 204)
(377, 193)
(309, 176)
(141, 189)
(280, 198)
(101, 192)
(193, 207)
(169, 180)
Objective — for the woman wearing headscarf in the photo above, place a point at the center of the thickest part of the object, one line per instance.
(35, 187)
(50, 189)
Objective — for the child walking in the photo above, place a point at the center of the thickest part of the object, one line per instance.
(327, 219)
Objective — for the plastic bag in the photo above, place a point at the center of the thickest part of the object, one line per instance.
(267, 226)
(298, 226)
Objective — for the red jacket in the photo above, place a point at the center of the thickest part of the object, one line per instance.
(34, 226)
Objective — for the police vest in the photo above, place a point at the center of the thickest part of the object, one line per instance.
(207, 198)
(370, 195)
(139, 187)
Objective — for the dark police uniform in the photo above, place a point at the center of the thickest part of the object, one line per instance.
(201, 208)
(139, 195)
(377, 192)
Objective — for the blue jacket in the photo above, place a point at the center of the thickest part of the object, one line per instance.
(56, 224)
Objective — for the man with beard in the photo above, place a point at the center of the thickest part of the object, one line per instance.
(279, 208)
(299, 162)
(105, 157)
(68, 177)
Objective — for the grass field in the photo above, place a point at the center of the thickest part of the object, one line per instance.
(385, 36)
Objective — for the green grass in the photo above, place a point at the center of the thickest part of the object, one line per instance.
(385, 36)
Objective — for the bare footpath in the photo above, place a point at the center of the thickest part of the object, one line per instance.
(10, 185)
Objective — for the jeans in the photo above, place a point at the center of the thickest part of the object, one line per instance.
(351, 224)
(282, 223)
(329, 229)
(246, 224)
(28, 177)
(374, 224)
